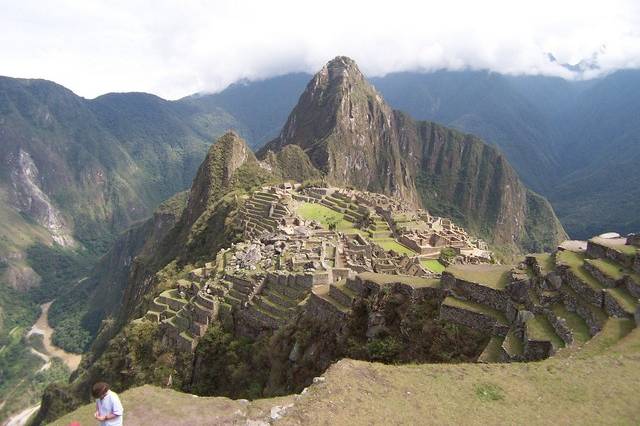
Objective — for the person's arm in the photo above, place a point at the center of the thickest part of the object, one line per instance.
(117, 409)
(110, 416)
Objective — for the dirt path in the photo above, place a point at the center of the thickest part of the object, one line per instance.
(42, 327)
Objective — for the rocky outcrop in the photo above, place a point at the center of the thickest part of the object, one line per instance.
(349, 133)
(28, 197)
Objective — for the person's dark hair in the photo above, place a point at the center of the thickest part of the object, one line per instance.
(99, 389)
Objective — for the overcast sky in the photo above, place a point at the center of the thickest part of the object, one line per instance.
(175, 48)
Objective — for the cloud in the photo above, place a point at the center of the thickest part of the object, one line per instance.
(174, 48)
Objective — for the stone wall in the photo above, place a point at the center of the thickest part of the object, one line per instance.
(633, 240)
(597, 273)
(632, 286)
(612, 307)
(478, 293)
(600, 251)
(535, 350)
(364, 288)
(573, 305)
(477, 321)
(324, 311)
(593, 296)
(560, 326)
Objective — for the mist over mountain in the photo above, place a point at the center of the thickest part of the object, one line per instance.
(571, 141)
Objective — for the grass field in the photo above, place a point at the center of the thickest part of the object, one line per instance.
(433, 265)
(152, 405)
(391, 244)
(493, 276)
(405, 279)
(324, 215)
(592, 384)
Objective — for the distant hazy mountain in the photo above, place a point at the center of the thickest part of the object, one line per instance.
(260, 108)
(573, 141)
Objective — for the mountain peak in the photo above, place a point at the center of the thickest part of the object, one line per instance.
(339, 108)
(341, 72)
(227, 154)
(341, 68)
(355, 139)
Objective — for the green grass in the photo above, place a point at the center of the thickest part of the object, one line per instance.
(614, 330)
(576, 324)
(391, 244)
(556, 390)
(622, 248)
(489, 392)
(324, 215)
(493, 276)
(613, 269)
(539, 328)
(552, 391)
(147, 404)
(575, 263)
(433, 265)
(416, 282)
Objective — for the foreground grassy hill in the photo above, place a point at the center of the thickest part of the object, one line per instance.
(592, 384)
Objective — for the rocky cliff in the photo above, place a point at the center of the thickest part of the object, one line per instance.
(349, 133)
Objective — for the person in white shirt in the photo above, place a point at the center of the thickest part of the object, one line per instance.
(109, 409)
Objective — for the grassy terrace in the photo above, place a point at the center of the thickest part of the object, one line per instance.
(553, 391)
(475, 307)
(575, 262)
(325, 216)
(322, 291)
(574, 321)
(416, 282)
(609, 268)
(626, 301)
(612, 269)
(539, 328)
(613, 331)
(598, 312)
(493, 276)
(391, 244)
(616, 245)
(433, 265)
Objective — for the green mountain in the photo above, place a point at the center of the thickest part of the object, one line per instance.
(259, 107)
(561, 136)
(349, 133)
(75, 173)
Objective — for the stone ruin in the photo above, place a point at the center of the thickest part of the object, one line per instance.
(287, 263)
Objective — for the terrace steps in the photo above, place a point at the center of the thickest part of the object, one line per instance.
(323, 292)
(340, 292)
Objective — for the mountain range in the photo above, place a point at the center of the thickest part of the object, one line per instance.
(77, 173)
(574, 142)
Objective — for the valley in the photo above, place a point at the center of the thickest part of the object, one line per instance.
(357, 235)
(42, 327)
